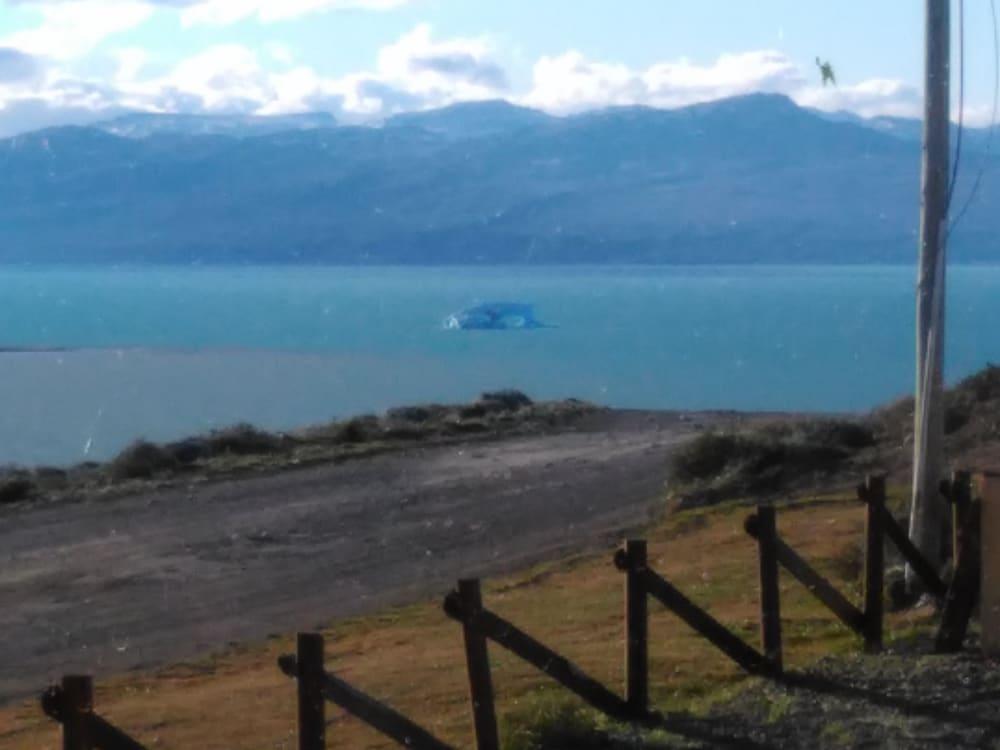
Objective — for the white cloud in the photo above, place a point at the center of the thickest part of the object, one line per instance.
(59, 100)
(223, 77)
(571, 83)
(977, 115)
(416, 71)
(131, 61)
(445, 71)
(72, 29)
(280, 52)
(870, 98)
(224, 12)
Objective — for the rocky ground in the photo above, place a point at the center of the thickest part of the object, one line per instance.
(907, 698)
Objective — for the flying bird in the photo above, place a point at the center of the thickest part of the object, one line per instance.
(826, 70)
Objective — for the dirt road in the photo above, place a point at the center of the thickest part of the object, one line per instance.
(107, 586)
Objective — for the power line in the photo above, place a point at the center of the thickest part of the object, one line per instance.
(993, 119)
(961, 105)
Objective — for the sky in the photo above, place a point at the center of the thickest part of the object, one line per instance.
(79, 61)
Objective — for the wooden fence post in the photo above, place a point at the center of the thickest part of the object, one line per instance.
(966, 562)
(960, 495)
(77, 707)
(770, 593)
(636, 628)
(989, 608)
(312, 705)
(873, 493)
(477, 660)
(485, 624)
(818, 586)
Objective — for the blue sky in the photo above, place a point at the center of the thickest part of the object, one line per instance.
(80, 60)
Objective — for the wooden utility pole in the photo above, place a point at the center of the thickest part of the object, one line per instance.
(928, 509)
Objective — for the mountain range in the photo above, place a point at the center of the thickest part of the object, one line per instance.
(753, 179)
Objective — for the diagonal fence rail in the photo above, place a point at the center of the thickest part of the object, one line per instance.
(479, 624)
(71, 703)
(643, 583)
(316, 686)
(774, 552)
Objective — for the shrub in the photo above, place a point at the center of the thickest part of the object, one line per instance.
(187, 451)
(983, 386)
(972, 412)
(767, 458)
(839, 434)
(141, 460)
(356, 430)
(955, 418)
(242, 440)
(479, 410)
(468, 426)
(15, 488)
(506, 400)
(706, 456)
(546, 722)
(404, 432)
(411, 413)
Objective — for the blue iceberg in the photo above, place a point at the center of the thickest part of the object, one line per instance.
(495, 316)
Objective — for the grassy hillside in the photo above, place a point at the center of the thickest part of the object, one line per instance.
(793, 454)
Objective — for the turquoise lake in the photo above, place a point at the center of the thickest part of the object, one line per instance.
(164, 352)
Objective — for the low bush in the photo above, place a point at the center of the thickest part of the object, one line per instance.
(242, 440)
(417, 414)
(547, 721)
(13, 489)
(766, 459)
(507, 400)
(141, 460)
(187, 451)
(972, 413)
(356, 430)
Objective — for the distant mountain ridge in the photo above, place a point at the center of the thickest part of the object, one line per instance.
(473, 119)
(146, 124)
(752, 179)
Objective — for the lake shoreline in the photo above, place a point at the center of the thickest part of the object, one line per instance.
(244, 450)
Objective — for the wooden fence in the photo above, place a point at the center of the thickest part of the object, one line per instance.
(316, 686)
(71, 703)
